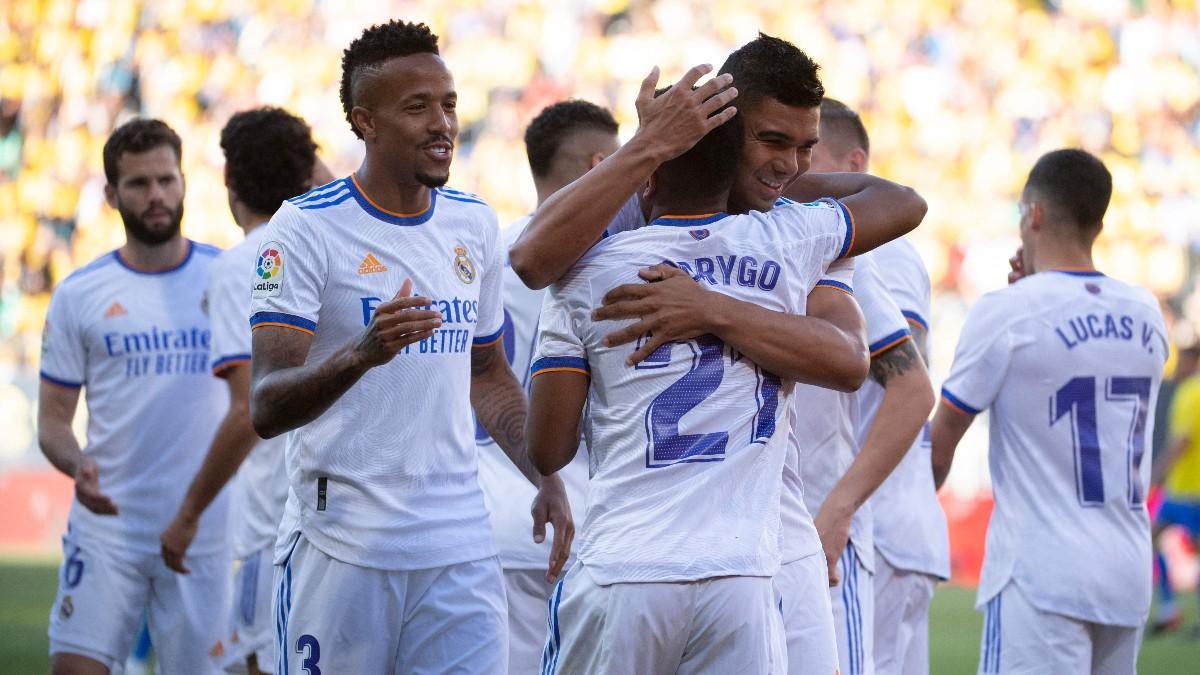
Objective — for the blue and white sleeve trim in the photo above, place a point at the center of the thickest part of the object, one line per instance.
(915, 318)
(957, 403)
(888, 341)
(59, 381)
(833, 283)
(283, 320)
(489, 339)
(551, 364)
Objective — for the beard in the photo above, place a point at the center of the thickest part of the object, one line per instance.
(151, 235)
(431, 181)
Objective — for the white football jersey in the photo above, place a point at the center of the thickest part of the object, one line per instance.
(259, 491)
(826, 421)
(507, 493)
(687, 447)
(139, 345)
(1069, 365)
(387, 476)
(909, 524)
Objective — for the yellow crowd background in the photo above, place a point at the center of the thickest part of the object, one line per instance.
(960, 98)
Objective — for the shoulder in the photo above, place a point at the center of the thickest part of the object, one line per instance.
(326, 196)
(205, 250)
(94, 270)
(460, 196)
(997, 310)
(464, 204)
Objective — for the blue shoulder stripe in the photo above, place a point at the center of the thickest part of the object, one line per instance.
(206, 249)
(332, 201)
(318, 192)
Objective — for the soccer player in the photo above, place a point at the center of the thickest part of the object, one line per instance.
(385, 561)
(1068, 362)
(906, 523)
(130, 330)
(563, 142)
(1178, 470)
(270, 157)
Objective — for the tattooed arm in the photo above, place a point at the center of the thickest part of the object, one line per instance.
(907, 400)
(499, 403)
(287, 393)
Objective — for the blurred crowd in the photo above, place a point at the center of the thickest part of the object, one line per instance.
(960, 98)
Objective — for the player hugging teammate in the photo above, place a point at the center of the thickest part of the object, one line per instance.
(724, 356)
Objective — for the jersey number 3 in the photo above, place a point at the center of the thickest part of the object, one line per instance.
(1078, 399)
(665, 443)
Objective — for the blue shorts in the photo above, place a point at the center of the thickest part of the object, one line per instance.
(1185, 514)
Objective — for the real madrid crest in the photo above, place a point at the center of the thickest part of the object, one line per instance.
(66, 608)
(463, 267)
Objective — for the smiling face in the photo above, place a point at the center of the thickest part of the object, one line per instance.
(779, 140)
(149, 194)
(407, 112)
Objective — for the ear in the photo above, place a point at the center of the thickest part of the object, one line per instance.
(1037, 216)
(364, 121)
(596, 158)
(110, 195)
(650, 189)
(228, 179)
(858, 160)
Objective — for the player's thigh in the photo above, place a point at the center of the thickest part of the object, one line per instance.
(803, 588)
(1115, 649)
(1019, 639)
(334, 617)
(251, 629)
(853, 600)
(615, 629)
(916, 653)
(455, 620)
(527, 592)
(736, 628)
(902, 601)
(188, 614)
(102, 594)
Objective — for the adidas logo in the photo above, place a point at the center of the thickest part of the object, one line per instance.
(371, 265)
(115, 310)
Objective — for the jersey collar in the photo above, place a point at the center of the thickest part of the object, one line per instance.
(689, 221)
(391, 216)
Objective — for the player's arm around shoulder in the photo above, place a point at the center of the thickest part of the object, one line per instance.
(879, 210)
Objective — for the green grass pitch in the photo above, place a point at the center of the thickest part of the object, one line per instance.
(27, 589)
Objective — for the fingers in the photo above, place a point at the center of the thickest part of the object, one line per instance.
(713, 86)
(625, 309)
(627, 334)
(174, 561)
(560, 550)
(539, 524)
(692, 76)
(98, 504)
(720, 118)
(626, 292)
(401, 339)
(405, 289)
(834, 579)
(659, 272)
(417, 302)
(718, 101)
(646, 91)
(405, 325)
(646, 350)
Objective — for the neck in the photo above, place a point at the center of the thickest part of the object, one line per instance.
(246, 218)
(387, 193)
(691, 205)
(154, 258)
(1054, 254)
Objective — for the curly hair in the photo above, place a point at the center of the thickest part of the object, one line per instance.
(546, 133)
(269, 156)
(376, 45)
(138, 136)
(768, 67)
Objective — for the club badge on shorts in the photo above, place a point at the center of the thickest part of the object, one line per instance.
(268, 271)
(66, 608)
(463, 267)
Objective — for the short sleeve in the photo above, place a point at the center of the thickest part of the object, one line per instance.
(886, 326)
(982, 357)
(228, 303)
(839, 276)
(907, 280)
(64, 355)
(490, 328)
(289, 271)
(559, 345)
(1185, 411)
(827, 222)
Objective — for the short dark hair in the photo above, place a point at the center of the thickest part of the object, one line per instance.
(378, 44)
(138, 136)
(269, 156)
(842, 121)
(711, 164)
(1075, 183)
(546, 133)
(768, 67)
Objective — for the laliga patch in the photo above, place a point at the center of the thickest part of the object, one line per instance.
(463, 267)
(268, 271)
